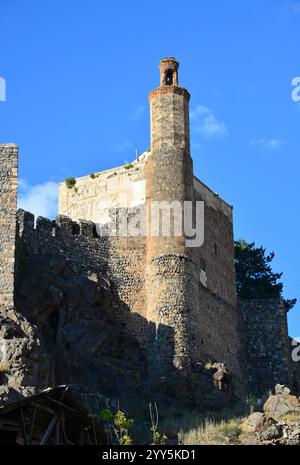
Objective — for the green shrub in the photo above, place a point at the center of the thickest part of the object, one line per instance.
(117, 427)
(129, 166)
(70, 182)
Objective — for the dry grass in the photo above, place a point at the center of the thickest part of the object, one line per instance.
(211, 432)
(3, 367)
(289, 417)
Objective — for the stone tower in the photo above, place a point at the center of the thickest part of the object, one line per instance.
(8, 209)
(171, 284)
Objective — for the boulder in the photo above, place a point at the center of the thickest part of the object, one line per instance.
(279, 405)
(264, 423)
(281, 390)
(253, 420)
(272, 432)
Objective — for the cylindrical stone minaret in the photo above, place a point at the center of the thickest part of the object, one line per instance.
(171, 287)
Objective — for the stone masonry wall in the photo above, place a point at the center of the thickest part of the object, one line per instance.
(171, 291)
(8, 207)
(119, 260)
(216, 256)
(266, 344)
(219, 335)
(182, 331)
(93, 195)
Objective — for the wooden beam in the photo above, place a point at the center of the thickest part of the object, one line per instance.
(57, 433)
(48, 431)
(7, 421)
(63, 430)
(32, 422)
(70, 409)
(23, 426)
(88, 436)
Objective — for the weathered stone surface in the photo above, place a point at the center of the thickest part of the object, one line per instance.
(279, 405)
(280, 389)
(272, 432)
(71, 293)
(74, 316)
(253, 421)
(266, 345)
(25, 367)
(264, 423)
(270, 428)
(8, 207)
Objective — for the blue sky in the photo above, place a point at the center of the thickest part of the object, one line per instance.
(78, 74)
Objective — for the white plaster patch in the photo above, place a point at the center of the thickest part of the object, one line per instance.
(203, 278)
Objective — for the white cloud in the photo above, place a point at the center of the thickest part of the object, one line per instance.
(41, 199)
(206, 123)
(199, 111)
(138, 112)
(293, 7)
(2, 89)
(271, 144)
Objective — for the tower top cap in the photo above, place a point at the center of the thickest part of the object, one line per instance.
(168, 71)
(168, 59)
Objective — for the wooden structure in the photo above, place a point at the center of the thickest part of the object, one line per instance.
(55, 416)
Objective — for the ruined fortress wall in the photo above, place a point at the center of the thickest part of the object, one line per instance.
(266, 343)
(8, 208)
(219, 334)
(93, 195)
(119, 260)
(215, 316)
(209, 326)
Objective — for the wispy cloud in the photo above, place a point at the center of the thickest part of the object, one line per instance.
(270, 144)
(206, 123)
(41, 199)
(2, 89)
(138, 112)
(292, 7)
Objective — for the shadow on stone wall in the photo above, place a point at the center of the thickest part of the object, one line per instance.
(63, 291)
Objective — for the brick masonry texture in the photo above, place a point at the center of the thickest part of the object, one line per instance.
(8, 207)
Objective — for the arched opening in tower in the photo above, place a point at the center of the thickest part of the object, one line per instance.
(169, 77)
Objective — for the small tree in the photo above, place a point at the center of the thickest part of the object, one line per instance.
(254, 275)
